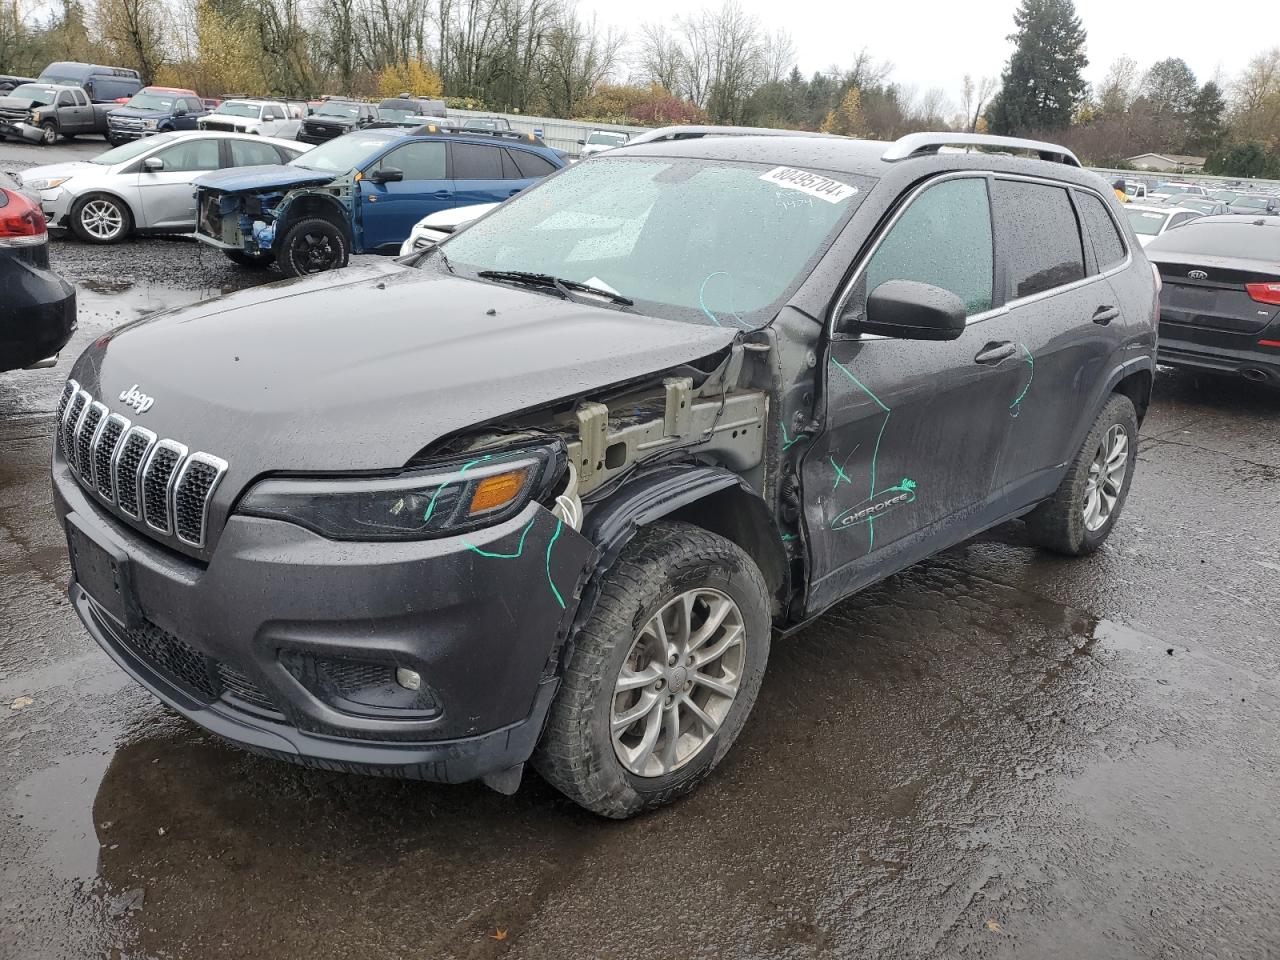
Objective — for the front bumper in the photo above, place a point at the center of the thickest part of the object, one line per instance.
(247, 645)
(125, 134)
(21, 131)
(306, 136)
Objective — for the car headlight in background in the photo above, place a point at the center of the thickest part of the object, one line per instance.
(439, 500)
(49, 184)
(149, 124)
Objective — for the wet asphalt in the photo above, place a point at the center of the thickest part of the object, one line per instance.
(997, 753)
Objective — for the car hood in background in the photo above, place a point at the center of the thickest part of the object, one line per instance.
(359, 369)
(16, 103)
(142, 114)
(242, 179)
(52, 171)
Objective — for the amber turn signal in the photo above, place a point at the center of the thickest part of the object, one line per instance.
(496, 491)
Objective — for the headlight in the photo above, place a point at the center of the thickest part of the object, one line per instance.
(50, 184)
(440, 500)
(148, 124)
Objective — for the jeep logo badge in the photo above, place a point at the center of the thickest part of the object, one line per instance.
(1198, 275)
(140, 402)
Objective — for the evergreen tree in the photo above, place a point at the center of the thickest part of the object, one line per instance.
(1042, 83)
(1205, 130)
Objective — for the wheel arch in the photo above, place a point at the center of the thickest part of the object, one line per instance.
(316, 205)
(91, 192)
(712, 498)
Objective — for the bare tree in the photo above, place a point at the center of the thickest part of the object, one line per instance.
(1119, 88)
(135, 30)
(576, 59)
(660, 56)
(974, 96)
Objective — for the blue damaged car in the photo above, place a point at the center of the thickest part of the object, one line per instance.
(360, 193)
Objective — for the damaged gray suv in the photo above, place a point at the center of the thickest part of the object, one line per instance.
(544, 493)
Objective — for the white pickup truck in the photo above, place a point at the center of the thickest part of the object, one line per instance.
(270, 118)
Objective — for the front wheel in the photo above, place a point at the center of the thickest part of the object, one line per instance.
(663, 676)
(1081, 513)
(48, 133)
(312, 246)
(99, 218)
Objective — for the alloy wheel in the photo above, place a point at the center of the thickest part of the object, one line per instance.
(50, 134)
(1106, 478)
(317, 254)
(101, 219)
(679, 681)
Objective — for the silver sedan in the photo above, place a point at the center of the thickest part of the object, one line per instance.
(144, 185)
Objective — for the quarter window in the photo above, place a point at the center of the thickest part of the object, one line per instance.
(1039, 237)
(943, 238)
(1107, 245)
(531, 165)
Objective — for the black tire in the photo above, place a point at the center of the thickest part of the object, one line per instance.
(666, 559)
(254, 261)
(49, 133)
(1058, 524)
(81, 218)
(312, 246)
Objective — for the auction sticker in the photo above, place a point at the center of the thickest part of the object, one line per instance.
(814, 184)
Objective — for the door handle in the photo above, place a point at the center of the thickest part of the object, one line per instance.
(995, 352)
(441, 195)
(1105, 314)
(513, 193)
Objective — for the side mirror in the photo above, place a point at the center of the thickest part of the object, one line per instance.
(582, 143)
(910, 310)
(153, 164)
(180, 110)
(387, 175)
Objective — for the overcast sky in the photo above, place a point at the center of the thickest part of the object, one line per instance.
(933, 43)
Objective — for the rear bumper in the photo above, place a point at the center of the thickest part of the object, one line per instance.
(37, 313)
(256, 645)
(1261, 364)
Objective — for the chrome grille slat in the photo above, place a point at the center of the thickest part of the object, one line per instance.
(158, 482)
(104, 455)
(158, 474)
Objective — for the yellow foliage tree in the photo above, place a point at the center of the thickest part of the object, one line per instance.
(226, 59)
(414, 78)
(847, 118)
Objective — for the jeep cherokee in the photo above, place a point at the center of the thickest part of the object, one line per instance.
(546, 491)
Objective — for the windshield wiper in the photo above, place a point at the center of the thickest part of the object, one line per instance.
(566, 288)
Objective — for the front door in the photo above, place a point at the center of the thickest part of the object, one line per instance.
(388, 211)
(168, 198)
(914, 428)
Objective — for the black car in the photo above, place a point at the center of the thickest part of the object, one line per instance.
(37, 307)
(333, 118)
(552, 494)
(8, 82)
(407, 111)
(1220, 298)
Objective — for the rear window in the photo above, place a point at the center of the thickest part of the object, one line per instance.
(1107, 245)
(1247, 241)
(1037, 229)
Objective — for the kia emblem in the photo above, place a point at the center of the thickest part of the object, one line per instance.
(1198, 275)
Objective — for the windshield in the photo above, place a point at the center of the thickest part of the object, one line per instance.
(395, 116)
(1145, 222)
(1192, 203)
(1220, 238)
(29, 91)
(607, 139)
(697, 240)
(152, 101)
(1257, 203)
(1226, 196)
(65, 81)
(234, 109)
(340, 154)
(134, 148)
(480, 125)
(331, 109)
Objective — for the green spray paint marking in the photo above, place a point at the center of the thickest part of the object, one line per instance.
(786, 443)
(1015, 408)
(840, 474)
(520, 552)
(788, 537)
(551, 543)
(431, 507)
(875, 453)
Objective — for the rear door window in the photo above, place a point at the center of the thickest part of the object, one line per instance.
(191, 155)
(252, 153)
(943, 238)
(531, 165)
(1039, 237)
(476, 161)
(1108, 247)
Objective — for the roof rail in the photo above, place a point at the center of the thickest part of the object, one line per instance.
(432, 127)
(914, 144)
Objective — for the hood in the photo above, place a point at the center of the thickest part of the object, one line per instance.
(244, 179)
(141, 113)
(16, 103)
(52, 171)
(359, 369)
(449, 220)
(331, 121)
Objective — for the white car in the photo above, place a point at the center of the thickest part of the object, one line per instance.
(269, 118)
(434, 228)
(600, 140)
(1174, 188)
(1149, 222)
(144, 184)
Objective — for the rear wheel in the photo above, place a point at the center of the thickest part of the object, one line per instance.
(255, 261)
(1079, 516)
(99, 218)
(663, 675)
(312, 246)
